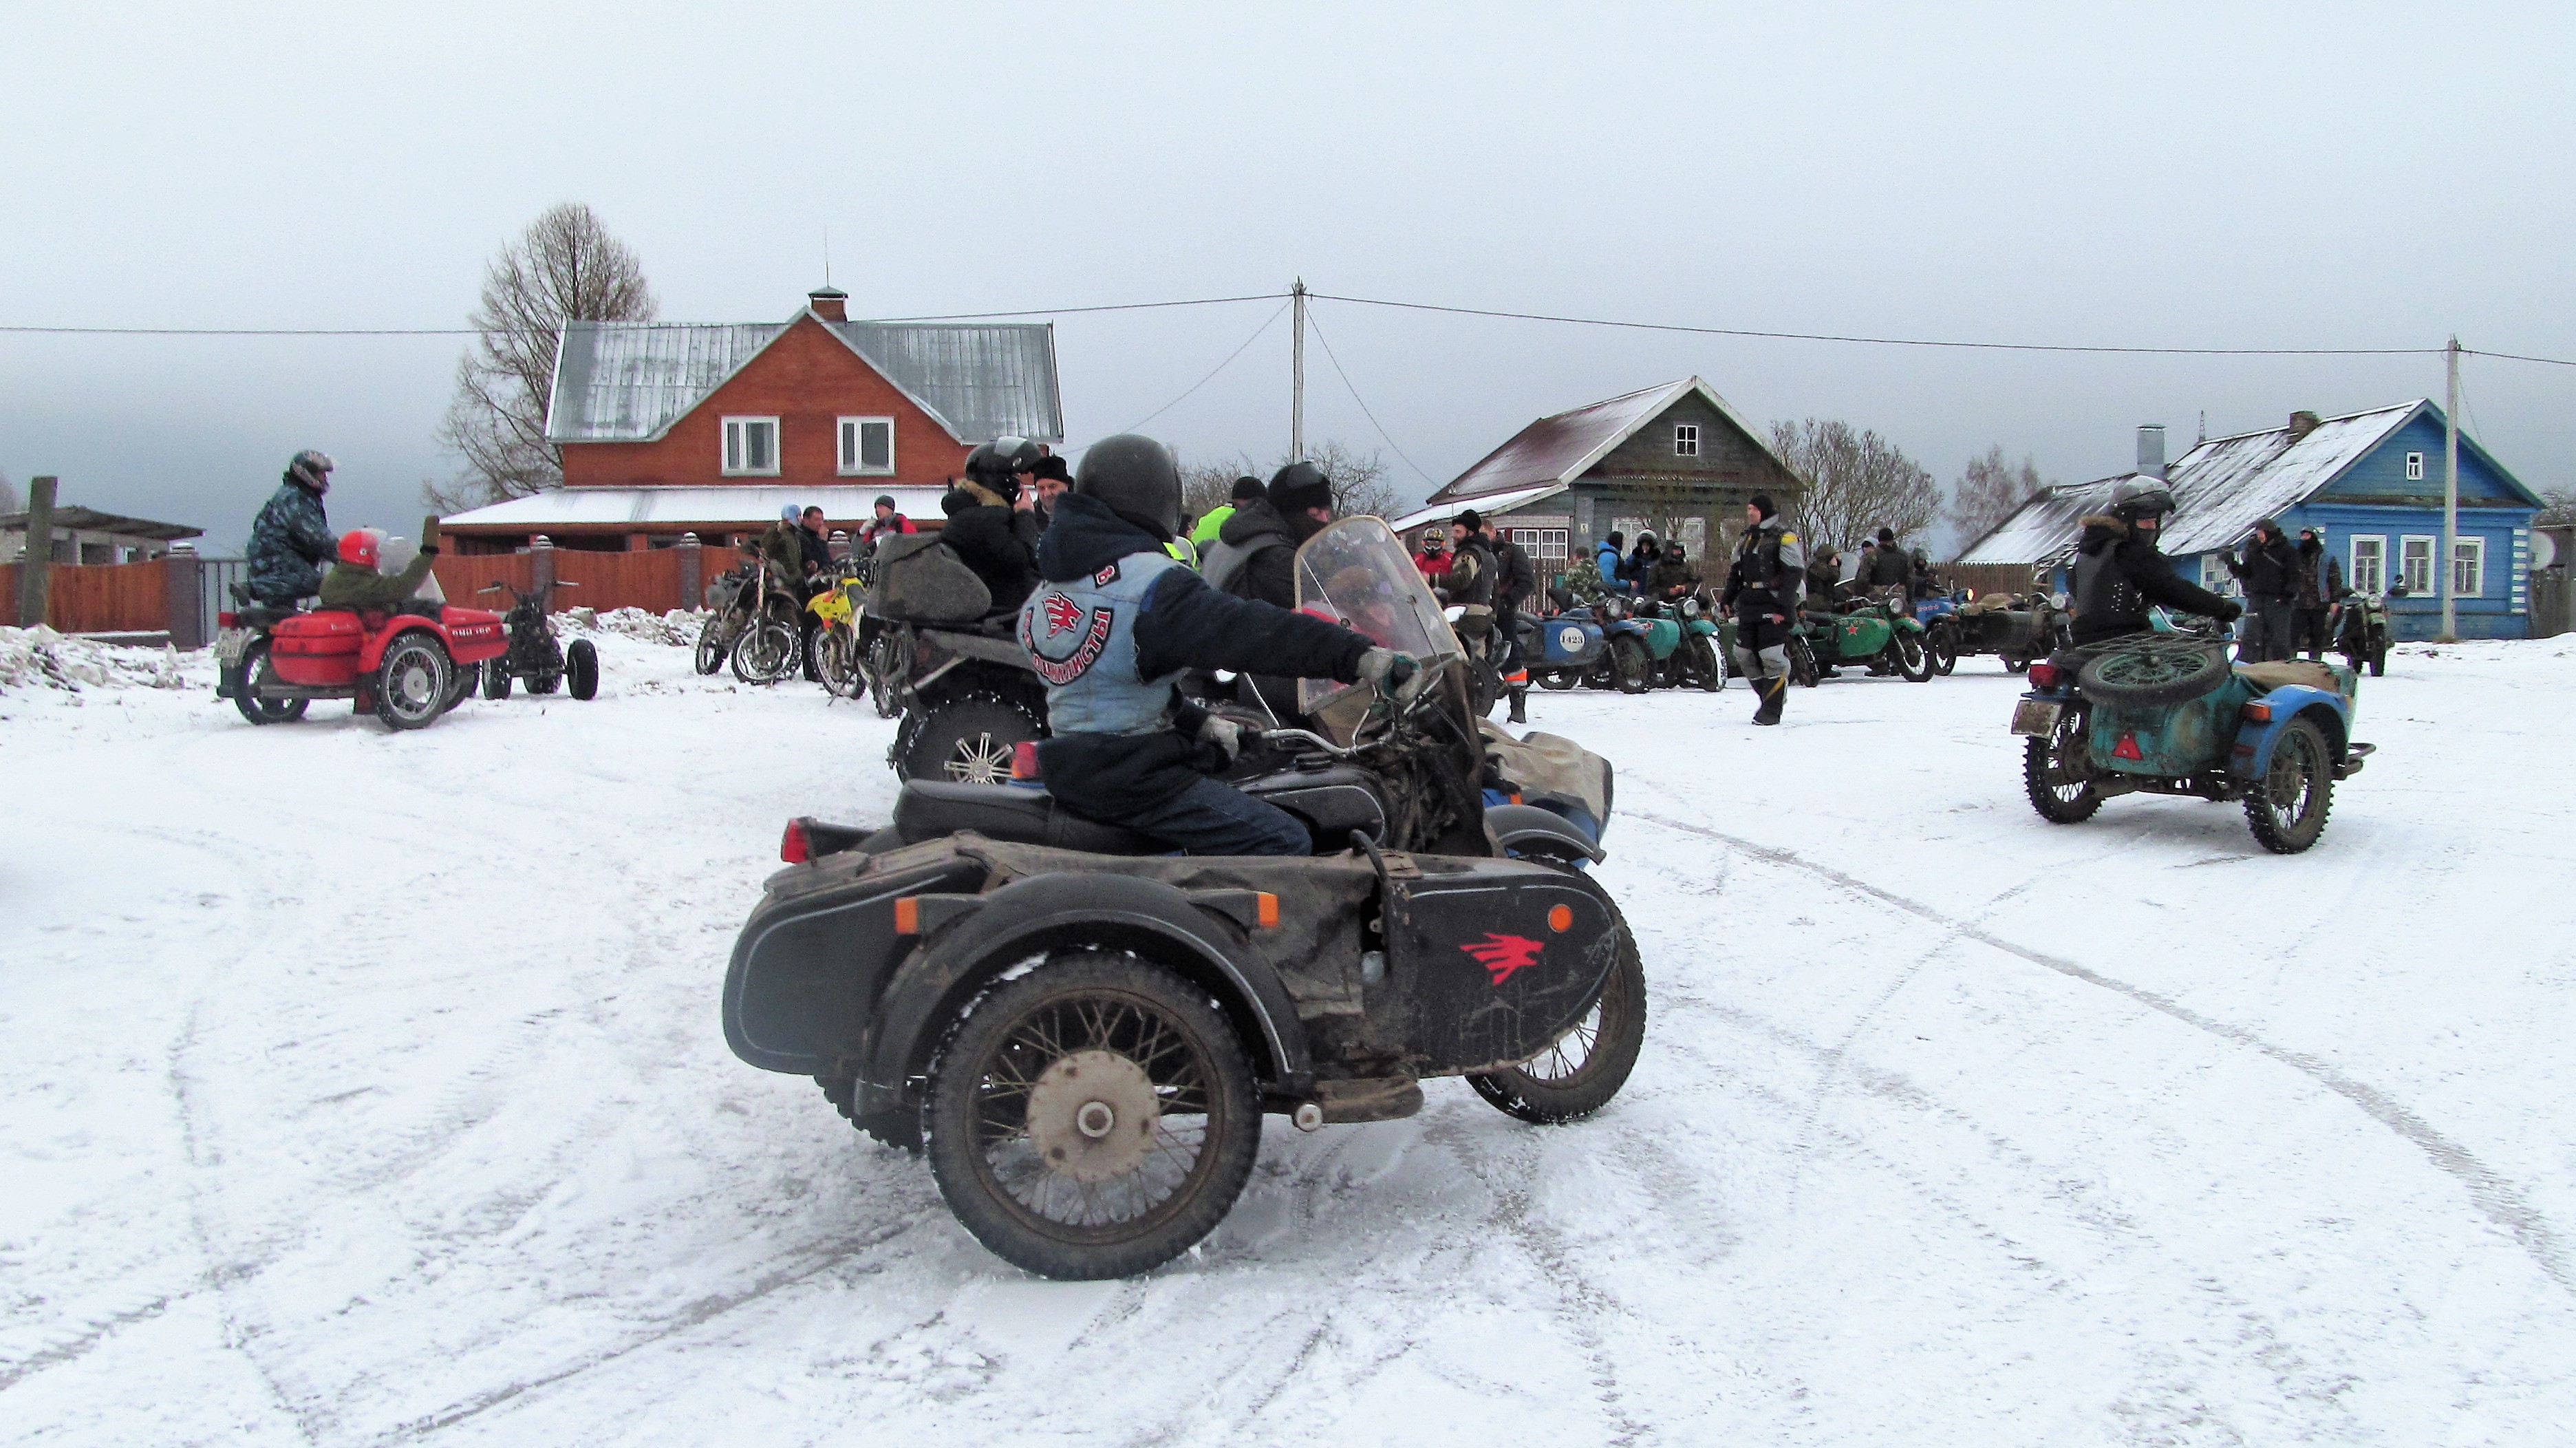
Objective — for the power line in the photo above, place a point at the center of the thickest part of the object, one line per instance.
(1363, 402)
(1895, 341)
(1070, 311)
(482, 331)
(1266, 325)
(2517, 357)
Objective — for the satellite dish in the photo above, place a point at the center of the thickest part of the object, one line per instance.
(2544, 549)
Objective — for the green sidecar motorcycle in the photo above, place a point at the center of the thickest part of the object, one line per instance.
(1881, 634)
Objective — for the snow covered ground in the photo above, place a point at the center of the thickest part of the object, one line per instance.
(366, 1088)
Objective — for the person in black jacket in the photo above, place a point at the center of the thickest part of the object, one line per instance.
(1255, 555)
(993, 521)
(2316, 590)
(2119, 571)
(1763, 586)
(1111, 629)
(2268, 567)
(1889, 565)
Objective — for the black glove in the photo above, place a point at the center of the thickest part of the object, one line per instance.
(2230, 612)
(429, 550)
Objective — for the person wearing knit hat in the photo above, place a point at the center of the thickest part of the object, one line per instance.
(1256, 549)
(1763, 587)
(1203, 533)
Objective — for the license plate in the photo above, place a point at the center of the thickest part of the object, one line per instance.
(229, 645)
(2036, 717)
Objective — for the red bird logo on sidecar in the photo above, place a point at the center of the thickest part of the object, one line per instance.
(1503, 955)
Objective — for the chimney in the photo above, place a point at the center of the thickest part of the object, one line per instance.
(2151, 449)
(829, 303)
(2301, 424)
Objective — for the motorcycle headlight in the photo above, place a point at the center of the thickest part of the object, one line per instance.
(1690, 608)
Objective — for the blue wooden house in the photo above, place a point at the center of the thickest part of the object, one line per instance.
(2370, 483)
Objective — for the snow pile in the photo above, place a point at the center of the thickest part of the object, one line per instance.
(40, 658)
(678, 628)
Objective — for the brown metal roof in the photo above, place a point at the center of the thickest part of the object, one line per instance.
(1558, 449)
(90, 520)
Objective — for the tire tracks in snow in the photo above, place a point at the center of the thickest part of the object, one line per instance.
(2502, 1201)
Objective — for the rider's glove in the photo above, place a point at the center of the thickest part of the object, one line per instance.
(1224, 733)
(1398, 676)
(2230, 612)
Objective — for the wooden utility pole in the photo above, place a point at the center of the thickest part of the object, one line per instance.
(36, 560)
(1297, 374)
(2451, 498)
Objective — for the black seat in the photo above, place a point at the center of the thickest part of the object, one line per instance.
(260, 615)
(926, 811)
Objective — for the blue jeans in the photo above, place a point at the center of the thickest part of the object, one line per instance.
(1212, 817)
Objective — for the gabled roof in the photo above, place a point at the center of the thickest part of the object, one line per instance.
(1561, 448)
(2220, 487)
(644, 508)
(90, 520)
(629, 381)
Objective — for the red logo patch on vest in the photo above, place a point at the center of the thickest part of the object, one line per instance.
(1502, 956)
(1061, 614)
(1105, 577)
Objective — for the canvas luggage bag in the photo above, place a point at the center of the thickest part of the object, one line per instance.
(922, 580)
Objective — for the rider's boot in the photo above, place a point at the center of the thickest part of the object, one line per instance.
(1520, 706)
(1774, 692)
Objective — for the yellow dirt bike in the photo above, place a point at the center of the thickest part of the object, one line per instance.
(836, 637)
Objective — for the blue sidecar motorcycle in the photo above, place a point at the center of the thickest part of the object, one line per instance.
(1082, 1031)
(2164, 713)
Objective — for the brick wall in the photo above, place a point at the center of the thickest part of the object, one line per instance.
(807, 379)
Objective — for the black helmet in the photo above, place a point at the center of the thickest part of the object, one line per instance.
(2135, 498)
(1136, 477)
(311, 468)
(990, 463)
(1300, 486)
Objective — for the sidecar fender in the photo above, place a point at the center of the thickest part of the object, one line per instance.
(2255, 740)
(1527, 829)
(1202, 936)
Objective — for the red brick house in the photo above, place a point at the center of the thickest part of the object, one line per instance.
(671, 428)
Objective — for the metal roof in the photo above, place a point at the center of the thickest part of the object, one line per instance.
(2221, 487)
(1442, 512)
(730, 505)
(1561, 448)
(629, 381)
(90, 520)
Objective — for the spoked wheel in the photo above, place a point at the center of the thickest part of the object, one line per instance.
(1913, 661)
(2287, 807)
(414, 682)
(1702, 669)
(836, 664)
(2058, 770)
(255, 671)
(1558, 679)
(2154, 669)
(884, 661)
(1579, 1073)
(766, 652)
(1802, 663)
(1942, 643)
(581, 669)
(715, 641)
(1093, 1118)
(1631, 669)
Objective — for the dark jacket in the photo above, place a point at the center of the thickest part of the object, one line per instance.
(1768, 574)
(1269, 573)
(1515, 577)
(1473, 572)
(1672, 577)
(290, 541)
(1889, 565)
(1824, 575)
(998, 541)
(2119, 572)
(1640, 565)
(2319, 578)
(2268, 570)
(354, 585)
(1185, 625)
(816, 548)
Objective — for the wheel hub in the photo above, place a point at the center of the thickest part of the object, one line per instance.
(1093, 1116)
(980, 760)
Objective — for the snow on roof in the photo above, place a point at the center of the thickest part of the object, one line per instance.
(1442, 512)
(629, 381)
(729, 505)
(2220, 487)
(1560, 448)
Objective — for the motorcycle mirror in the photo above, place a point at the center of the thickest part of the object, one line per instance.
(1225, 676)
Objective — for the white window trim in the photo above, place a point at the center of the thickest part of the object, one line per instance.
(2414, 467)
(2352, 563)
(2477, 546)
(1686, 432)
(849, 456)
(2433, 559)
(725, 448)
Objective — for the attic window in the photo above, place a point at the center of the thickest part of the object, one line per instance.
(867, 446)
(2414, 467)
(751, 447)
(1686, 439)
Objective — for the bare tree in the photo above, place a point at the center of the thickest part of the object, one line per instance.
(1989, 491)
(1359, 480)
(1857, 483)
(565, 267)
(8, 495)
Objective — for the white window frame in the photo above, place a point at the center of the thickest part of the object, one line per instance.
(850, 436)
(2215, 577)
(2414, 467)
(2471, 549)
(2406, 560)
(2376, 580)
(1686, 439)
(736, 431)
(1544, 545)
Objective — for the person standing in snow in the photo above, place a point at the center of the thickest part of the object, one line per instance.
(1762, 587)
(2267, 567)
(1606, 561)
(2317, 588)
(887, 522)
(291, 538)
(1432, 560)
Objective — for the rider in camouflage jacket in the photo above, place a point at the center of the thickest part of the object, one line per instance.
(291, 539)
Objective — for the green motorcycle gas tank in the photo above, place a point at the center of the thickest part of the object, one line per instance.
(1663, 635)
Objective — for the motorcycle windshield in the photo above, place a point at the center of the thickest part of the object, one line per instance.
(396, 554)
(1356, 574)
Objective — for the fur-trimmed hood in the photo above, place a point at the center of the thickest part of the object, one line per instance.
(2102, 531)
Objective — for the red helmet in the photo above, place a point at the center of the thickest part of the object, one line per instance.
(359, 546)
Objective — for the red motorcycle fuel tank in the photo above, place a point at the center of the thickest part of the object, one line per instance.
(317, 650)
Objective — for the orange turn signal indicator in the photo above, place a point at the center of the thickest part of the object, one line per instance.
(907, 915)
(1266, 909)
(1560, 918)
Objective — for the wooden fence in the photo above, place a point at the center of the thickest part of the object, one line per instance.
(1986, 578)
(103, 597)
(460, 576)
(2553, 602)
(656, 580)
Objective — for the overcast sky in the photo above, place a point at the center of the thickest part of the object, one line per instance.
(2233, 176)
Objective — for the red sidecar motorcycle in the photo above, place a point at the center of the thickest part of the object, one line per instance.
(404, 668)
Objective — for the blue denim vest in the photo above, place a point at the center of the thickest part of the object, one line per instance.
(1081, 635)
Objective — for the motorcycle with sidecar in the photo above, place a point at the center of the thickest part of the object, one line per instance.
(2165, 713)
(406, 669)
(1083, 1032)
(1876, 631)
